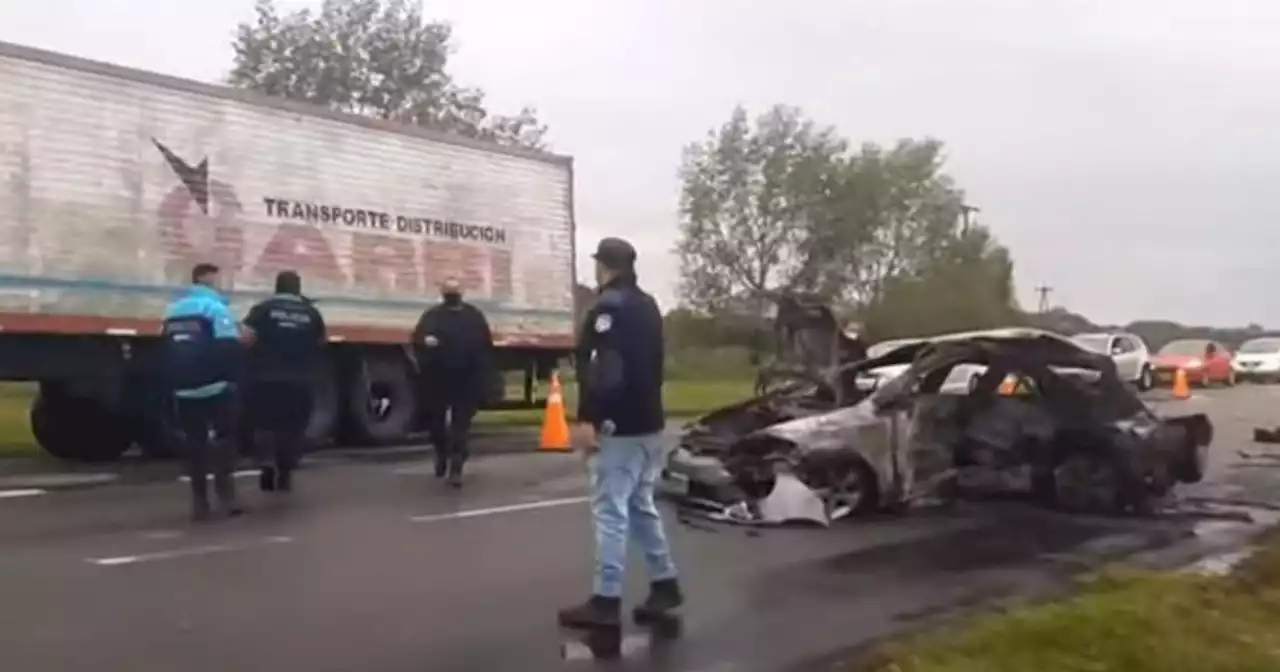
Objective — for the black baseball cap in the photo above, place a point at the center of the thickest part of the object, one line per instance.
(615, 253)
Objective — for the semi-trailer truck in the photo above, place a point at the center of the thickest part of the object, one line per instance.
(116, 182)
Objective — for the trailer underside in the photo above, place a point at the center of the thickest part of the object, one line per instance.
(99, 394)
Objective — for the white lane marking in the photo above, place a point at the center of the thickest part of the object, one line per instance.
(24, 492)
(118, 560)
(243, 473)
(495, 510)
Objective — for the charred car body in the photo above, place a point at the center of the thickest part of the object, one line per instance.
(813, 446)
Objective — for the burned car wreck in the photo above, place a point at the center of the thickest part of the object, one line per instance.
(815, 447)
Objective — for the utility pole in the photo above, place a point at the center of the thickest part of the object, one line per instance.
(1044, 291)
(965, 211)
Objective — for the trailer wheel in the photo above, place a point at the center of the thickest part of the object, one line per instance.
(324, 411)
(78, 429)
(156, 436)
(381, 399)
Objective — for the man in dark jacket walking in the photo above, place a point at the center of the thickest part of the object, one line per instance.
(454, 349)
(620, 360)
(285, 362)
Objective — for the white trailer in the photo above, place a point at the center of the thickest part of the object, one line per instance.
(115, 182)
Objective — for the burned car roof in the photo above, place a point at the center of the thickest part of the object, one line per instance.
(1048, 346)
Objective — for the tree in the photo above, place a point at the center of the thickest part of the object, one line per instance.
(375, 58)
(967, 286)
(748, 196)
(784, 206)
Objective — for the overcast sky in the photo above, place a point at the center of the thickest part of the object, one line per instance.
(1125, 150)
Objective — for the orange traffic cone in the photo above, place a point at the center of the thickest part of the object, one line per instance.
(1007, 386)
(1181, 390)
(555, 426)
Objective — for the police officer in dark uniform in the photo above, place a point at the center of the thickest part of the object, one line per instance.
(285, 360)
(454, 349)
(621, 422)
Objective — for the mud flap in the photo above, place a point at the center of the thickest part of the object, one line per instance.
(793, 501)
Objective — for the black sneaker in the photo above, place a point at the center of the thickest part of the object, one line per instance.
(442, 466)
(597, 612)
(664, 597)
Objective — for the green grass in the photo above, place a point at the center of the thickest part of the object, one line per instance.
(1123, 621)
(15, 424)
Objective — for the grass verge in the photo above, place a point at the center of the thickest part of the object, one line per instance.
(15, 423)
(1123, 621)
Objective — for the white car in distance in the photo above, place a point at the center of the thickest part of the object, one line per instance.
(1258, 359)
(1128, 351)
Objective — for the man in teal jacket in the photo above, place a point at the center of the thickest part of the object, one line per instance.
(201, 365)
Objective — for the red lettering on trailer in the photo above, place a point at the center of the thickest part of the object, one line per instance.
(384, 262)
(378, 261)
(446, 260)
(180, 218)
(303, 249)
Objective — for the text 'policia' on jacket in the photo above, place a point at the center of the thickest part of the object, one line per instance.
(291, 337)
(620, 357)
(201, 344)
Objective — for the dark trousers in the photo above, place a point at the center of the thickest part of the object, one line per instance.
(208, 431)
(278, 413)
(448, 420)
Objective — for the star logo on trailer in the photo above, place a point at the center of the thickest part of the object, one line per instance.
(194, 178)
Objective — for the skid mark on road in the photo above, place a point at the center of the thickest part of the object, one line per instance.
(496, 510)
(188, 552)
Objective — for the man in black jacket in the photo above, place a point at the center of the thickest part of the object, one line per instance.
(285, 361)
(454, 348)
(620, 361)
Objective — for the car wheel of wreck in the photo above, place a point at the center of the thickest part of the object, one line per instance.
(851, 489)
(1088, 483)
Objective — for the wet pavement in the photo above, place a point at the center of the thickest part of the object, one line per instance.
(375, 566)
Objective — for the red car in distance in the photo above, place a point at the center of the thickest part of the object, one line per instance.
(1205, 361)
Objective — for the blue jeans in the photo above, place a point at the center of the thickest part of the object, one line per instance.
(624, 475)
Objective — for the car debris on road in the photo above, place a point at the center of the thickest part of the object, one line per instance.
(817, 448)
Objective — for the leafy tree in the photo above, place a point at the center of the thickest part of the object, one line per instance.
(968, 286)
(749, 194)
(375, 58)
(784, 205)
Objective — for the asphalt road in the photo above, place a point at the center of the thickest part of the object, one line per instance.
(376, 567)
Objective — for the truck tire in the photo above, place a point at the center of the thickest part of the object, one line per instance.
(77, 429)
(381, 399)
(324, 411)
(157, 437)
